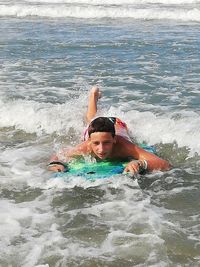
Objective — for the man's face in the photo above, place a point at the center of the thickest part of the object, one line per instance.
(102, 144)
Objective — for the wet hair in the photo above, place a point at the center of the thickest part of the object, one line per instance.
(102, 124)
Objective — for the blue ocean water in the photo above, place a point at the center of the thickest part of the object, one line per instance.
(145, 57)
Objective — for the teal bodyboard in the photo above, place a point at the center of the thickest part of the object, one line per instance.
(97, 170)
(92, 170)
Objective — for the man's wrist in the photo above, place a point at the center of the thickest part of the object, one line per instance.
(143, 165)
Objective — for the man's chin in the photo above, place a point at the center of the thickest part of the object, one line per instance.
(102, 157)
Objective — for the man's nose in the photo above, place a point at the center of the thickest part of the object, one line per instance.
(101, 147)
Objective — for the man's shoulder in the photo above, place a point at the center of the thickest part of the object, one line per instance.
(123, 141)
(83, 145)
(124, 147)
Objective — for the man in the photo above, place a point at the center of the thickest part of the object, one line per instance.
(107, 139)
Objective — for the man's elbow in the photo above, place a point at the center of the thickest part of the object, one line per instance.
(167, 166)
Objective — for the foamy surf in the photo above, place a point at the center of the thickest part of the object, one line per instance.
(116, 2)
(79, 11)
(68, 119)
(39, 118)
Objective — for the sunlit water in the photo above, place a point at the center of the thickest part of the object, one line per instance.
(145, 57)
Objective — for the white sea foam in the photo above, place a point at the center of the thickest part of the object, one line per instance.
(65, 119)
(95, 12)
(32, 116)
(116, 2)
(180, 127)
(27, 224)
(34, 222)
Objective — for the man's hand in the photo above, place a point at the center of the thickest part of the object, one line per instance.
(57, 166)
(136, 166)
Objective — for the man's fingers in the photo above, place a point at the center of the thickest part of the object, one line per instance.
(132, 167)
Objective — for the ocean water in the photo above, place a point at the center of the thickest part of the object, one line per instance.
(145, 57)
